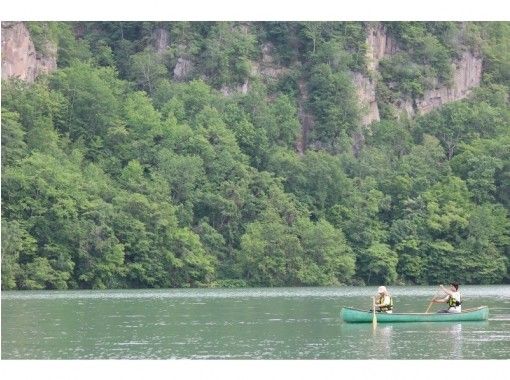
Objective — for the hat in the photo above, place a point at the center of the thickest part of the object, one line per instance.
(382, 289)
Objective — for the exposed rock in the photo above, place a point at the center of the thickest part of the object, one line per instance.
(243, 89)
(182, 69)
(267, 49)
(305, 118)
(379, 45)
(161, 39)
(365, 88)
(19, 57)
(47, 62)
(244, 27)
(466, 75)
(406, 106)
(267, 67)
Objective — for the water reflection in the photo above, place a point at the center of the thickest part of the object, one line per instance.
(382, 339)
(366, 342)
(428, 340)
(455, 332)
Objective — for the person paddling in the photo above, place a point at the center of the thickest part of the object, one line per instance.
(384, 302)
(452, 298)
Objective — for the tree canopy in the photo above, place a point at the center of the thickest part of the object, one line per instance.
(119, 173)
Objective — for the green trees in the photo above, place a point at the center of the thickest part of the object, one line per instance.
(334, 103)
(114, 175)
(428, 48)
(285, 127)
(453, 224)
(147, 70)
(91, 105)
(495, 48)
(45, 195)
(270, 253)
(328, 259)
(17, 247)
(228, 49)
(37, 109)
(277, 253)
(13, 144)
(317, 178)
(487, 235)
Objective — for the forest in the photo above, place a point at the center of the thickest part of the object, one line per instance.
(131, 166)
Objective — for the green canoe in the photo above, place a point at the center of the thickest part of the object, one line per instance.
(352, 315)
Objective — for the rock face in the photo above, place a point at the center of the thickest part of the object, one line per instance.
(19, 57)
(379, 45)
(365, 89)
(161, 39)
(239, 89)
(267, 66)
(467, 75)
(182, 69)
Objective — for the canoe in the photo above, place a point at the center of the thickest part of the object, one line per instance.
(352, 315)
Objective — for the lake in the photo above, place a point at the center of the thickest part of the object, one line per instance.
(276, 323)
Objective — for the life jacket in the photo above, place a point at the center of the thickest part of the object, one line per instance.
(385, 307)
(452, 302)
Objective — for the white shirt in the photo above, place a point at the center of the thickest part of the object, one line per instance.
(455, 309)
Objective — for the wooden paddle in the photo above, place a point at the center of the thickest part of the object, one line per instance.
(374, 318)
(431, 302)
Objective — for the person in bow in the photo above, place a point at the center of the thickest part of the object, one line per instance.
(383, 301)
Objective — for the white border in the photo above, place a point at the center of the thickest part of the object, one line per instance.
(270, 10)
(252, 369)
(255, 10)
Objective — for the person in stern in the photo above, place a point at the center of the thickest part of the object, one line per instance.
(452, 298)
(383, 301)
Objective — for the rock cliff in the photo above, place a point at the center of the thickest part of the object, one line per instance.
(161, 40)
(467, 74)
(365, 88)
(182, 69)
(19, 57)
(267, 66)
(379, 45)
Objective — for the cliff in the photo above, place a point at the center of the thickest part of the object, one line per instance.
(20, 59)
(19, 56)
(467, 74)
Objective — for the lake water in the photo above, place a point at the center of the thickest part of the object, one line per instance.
(277, 323)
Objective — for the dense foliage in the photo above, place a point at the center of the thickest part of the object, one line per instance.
(121, 170)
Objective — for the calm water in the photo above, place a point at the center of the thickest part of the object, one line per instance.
(282, 323)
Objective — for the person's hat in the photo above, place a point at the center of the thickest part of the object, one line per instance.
(382, 289)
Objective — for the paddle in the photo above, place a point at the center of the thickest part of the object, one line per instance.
(374, 318)
(431, 302)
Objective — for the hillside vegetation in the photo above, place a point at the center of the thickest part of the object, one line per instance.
(132, 166)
